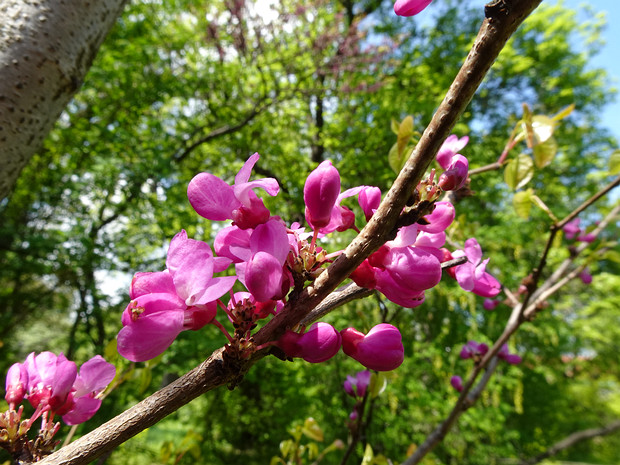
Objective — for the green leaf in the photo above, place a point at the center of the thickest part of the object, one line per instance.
(378, 382)
(405, 131)
(312, 430)
(563, 113)
(394, 159)
(519, 171)
(614, 162)
(286, 447)
(394, 126)
(522, 201)
(545, 152)
(542, 127)
(612, 255)
(368, 455)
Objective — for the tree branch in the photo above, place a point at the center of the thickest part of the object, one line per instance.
(573, 439)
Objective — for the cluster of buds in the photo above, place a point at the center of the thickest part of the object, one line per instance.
(271, 258)
(54, 387)
(357, 387)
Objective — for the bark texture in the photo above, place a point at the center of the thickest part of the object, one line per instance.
(46, 48)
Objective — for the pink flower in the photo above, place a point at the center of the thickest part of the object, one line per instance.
(369, 199)
(472, 276)
(439, 219)
(321, 190)
(587, 237)
(490, 304)
(50, 379)
(381, 349)
(356, 386)
(165, 303)
(571, 229)
(16, 384)
(474, 350)
(513, 359)
(320, 343)
(455, 175)
(585, 277)
(216, 200)
(410, 7)
(457, 383)
(94, 376)
(449, 149)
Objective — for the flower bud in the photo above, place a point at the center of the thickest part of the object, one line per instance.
(16, 382)
(321, 342)
(321, 191)
(356, 386)
(381, 349)
(455, 176)
(490, 304)
(474, 350)
(457, 383)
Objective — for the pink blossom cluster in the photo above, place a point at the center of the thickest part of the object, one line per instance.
(572, 230)
(357, 386)
(53, 384)
(271, 258)
(475, 351)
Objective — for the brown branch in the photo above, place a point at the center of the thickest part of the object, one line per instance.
(573, 439)
(213, 373)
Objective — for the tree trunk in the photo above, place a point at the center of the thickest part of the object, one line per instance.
(46, 48)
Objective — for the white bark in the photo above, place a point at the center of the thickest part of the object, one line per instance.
(46, 48)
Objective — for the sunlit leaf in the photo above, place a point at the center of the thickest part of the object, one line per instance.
(312, 430)
(563, 113)
(519, 171)
(542, 127)
(614, 162)
(545, 152)
(395, 126)
(368, 455)
(378, 382)
(286, 447)
(522, 201)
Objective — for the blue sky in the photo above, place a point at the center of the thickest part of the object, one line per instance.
(609, 56)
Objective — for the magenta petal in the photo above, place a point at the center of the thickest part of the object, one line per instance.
(381, 349)
(211, 197)
(95, 375)
(245, 194)
(148, 283)
(271, 237)
(191, 265)
(457, 383)
(410, 7)
(215, 289)
(369, 199)
(83, 410)
(487, 286)
(473, 251)
(234, 243)
(246, 170)
(441, 217)
(148, 337)
(263, 277)
(465, 276)
(413, 268)
(321, 191)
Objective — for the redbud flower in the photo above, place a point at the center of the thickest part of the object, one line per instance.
(455, 176)
(214, 199)
(50, 379)
(588, 237)
(356, 386)
(474, 350)
(321, 190)
(320, 343)
(490, 304)
(165, 303)
(381, 349)
(410, 7)
(94, 376)
(571, 229)
(513, 359)
(441, 217)
(369, 199)
(585, 277)
(16, 384)
(449, 149)
(472, 276)
(457, 383)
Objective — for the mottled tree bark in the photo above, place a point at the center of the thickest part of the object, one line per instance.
(46, 48)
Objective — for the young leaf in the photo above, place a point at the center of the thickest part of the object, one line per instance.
(519, 171)
(563, 113)
(312, 430)
(522, 201)
(542, 127)
(545, 152)
(614, 162)
(394, 126)
(368, 455)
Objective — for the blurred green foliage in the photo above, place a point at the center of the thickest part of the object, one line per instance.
(181, 87)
